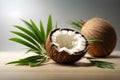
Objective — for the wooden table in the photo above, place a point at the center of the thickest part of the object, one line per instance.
(52, 71)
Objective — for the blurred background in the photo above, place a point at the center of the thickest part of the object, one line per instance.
(62, 11)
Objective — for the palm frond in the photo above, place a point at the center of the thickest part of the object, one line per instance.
(34, 38)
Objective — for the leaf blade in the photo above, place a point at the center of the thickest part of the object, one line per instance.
(32, 61)
(37, 32)
(27, 32)
(76, 24)
(40, 61)
(100, 64)
(18, 40)
(94, 40)
(56, 25)
(42, 31)
(26, 38)
(32, 28)
(49, 25)
(28, 25)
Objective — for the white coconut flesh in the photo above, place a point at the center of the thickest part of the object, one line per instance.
(68, 41)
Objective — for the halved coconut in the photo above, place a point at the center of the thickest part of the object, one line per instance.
(66, 45)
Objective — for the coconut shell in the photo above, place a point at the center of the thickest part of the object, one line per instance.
(101, 29)
(62, 57)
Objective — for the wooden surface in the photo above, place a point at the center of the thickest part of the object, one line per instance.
(52, 71)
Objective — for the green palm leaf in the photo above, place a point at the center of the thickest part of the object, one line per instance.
(32, 28)
(28, 32)
(49, 25)
(26, 37)
(18, 40)
(31, 61)
(42, 31)
(56, 25)
(28, 25)
(37, 31)
(34, 38)
(100, 64)
(94, 40)
(76, 24)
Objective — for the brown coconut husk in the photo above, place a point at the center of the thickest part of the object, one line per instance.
(101, 29)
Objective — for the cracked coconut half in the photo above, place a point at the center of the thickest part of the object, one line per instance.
(66, 45)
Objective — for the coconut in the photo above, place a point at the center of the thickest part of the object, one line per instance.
(101, 29)
(66, 45)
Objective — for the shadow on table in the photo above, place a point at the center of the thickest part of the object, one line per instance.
(77, 64)
(113, 56)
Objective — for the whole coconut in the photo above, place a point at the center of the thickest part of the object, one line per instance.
(101, 29)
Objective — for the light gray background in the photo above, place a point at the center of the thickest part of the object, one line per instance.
(62, 11)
